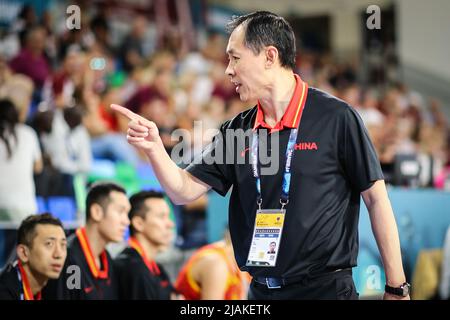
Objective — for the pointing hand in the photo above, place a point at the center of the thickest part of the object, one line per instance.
(141, 133)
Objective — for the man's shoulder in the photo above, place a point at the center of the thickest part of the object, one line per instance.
(73, 245)
(8, 272)
(26, 133)
(9, 283)
(126, 257)
(129, 259)
(75, 253)
(326, 102)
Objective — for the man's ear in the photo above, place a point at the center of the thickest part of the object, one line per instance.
(97, 212)
(271, 56)
(23, 253)
(138, 223)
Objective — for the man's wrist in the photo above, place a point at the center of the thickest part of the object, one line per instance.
(395, 282)
(156, 149)
(402, 290)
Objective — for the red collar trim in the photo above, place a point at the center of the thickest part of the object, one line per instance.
(151, 264)
(86, 248)
(27, 293)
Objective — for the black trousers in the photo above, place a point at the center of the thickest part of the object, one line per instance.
(337, 285)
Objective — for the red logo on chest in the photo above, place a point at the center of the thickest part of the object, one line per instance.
(306, 146)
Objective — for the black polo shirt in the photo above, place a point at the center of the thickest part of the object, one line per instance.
(96, 282)
(137, 282)
(12, 287)
(334, 161)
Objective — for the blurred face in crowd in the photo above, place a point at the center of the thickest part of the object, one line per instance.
(157, 227)
(246, 70)
(74, 62)
(156, 110)
(140, 27)
(46, 254)
(113, 219)
(163, 80)
(370, 100)
(352, 96)
(36, 40)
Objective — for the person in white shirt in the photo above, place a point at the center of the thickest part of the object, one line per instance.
(20, 157)
(68, 144)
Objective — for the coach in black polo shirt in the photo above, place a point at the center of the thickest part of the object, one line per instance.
(305, 193)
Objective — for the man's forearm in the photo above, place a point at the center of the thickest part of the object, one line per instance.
(385, 230)
(176, 182)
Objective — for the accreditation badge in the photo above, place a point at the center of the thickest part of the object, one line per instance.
(266, 238)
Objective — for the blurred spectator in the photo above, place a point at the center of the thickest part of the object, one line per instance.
(31, 60)
(154, 101)
(76, 39)
(20, 156)
(106, 141)
(5, 72)
(19, 89)
(26, 19)
(49, 182)
(207, 65)
(135, 48)
(352, 95)
(51, 45)
(70, 151)
(65, 82)
(368, 109)
(200, 62)
(67, 144)
(101, 31)
(158, 110)
(9, 46)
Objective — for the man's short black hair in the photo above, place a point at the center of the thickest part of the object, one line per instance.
(99, 193)
(263, 28)
(27, 229)
(138, 207)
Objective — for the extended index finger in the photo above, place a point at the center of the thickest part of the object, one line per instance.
(126, 112)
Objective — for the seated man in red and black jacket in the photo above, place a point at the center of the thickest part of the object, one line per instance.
(151, 229)
(89, 272)
(41, 251)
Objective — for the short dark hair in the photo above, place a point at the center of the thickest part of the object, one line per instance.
(263, 28)
(27, 229)
(138, 207)
(73, 116)
(99, 193)
(9, 117)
